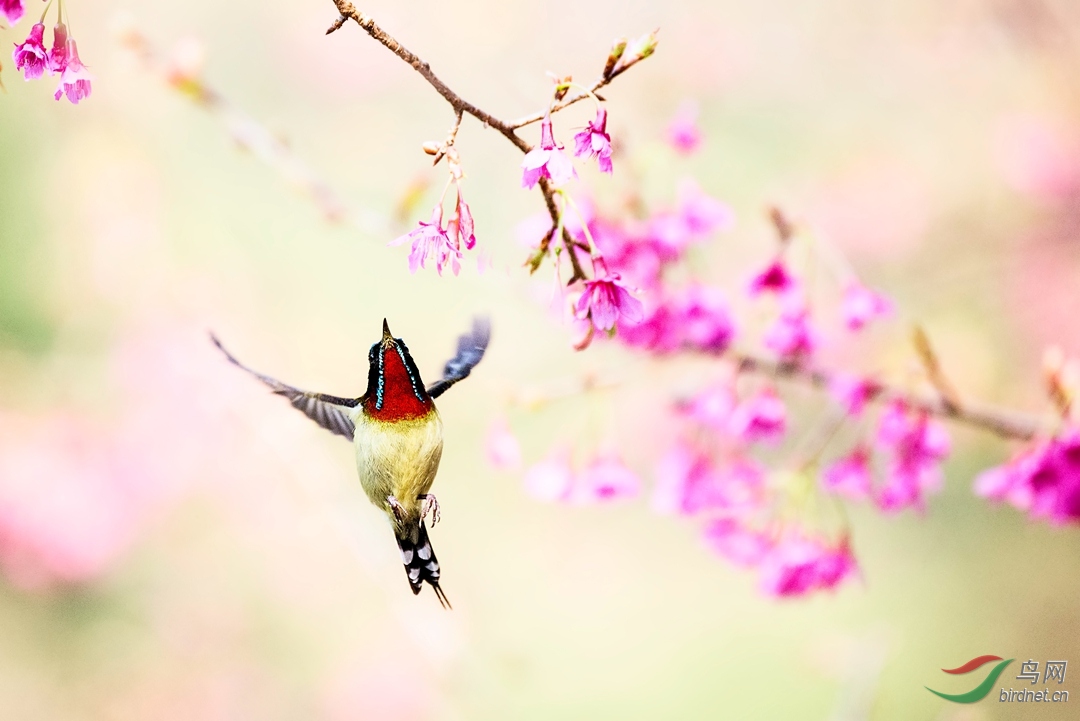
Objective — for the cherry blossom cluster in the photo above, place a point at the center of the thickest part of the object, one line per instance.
(33, 59)
(721, 469)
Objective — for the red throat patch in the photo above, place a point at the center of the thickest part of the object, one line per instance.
(398, 397)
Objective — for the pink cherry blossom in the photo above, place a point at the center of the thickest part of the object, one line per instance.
(594, 141)
(690, 482)
(774, 279)
(849, 475)
(547, 161)
(792, 336)
(466, 226)
(606, 299)
(430, 240)
(655, 332)
(798, 565)
(58, 54)
(862, 305)
(762, 417)
(1042, 479)
(551, 479)
(740, 545)
(502, 446)
(682, 132)
(704, 320)
(605, 478)
(852, 392)
(12, 10)
(31, 56)
(75, 78)
(914, 445)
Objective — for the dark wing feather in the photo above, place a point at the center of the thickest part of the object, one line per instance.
(470, 349)
(328, 411)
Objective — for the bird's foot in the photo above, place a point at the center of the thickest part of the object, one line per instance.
(430, 505)
(396, 507)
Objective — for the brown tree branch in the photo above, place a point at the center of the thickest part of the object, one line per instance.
(348, 11)
(1006, 423)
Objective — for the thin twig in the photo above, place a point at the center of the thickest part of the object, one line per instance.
(348, 11)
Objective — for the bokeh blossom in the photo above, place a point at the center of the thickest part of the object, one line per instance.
(12, 10)
(31, 56)
(792, 335)
(605, 478)
(775, 278)
(761, 417)
(1042, 480)
(683, 132)
(547, 161)
(689, 481)
(862, 305)
(914, 445)
(849, 475)
(594, 141)
(502, 447)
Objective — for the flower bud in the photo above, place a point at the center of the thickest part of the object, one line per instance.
(431, 147)
(613, 57)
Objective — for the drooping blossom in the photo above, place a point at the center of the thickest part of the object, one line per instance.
(551, 479)
(704, 319)
(1043, 479)
(31, 56)
(547, 161)
(798, 565)
(774, 279)
(430, 240)
(761, 417)
(75, 79)
(914, 445)
(742, 546)
(682, 132)
(12, 10)
(792, 336)
(502, 446)
(849, 475)
(852, 392)
(466, 226)
(605, 478)
(690, 482)
(606, 299)
(58, 53)
(594, 141)
(862, 305)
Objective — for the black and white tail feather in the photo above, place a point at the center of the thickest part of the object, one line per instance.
(420, 562)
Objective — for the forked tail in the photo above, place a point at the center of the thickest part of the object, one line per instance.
(420, 562)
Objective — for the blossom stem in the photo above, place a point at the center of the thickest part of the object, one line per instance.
(45, 12)
(593, 252)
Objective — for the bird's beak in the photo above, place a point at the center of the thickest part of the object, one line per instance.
(387, 336)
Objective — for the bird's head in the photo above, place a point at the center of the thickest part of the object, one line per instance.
(395, 390)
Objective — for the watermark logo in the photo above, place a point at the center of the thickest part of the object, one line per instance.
(1053, 671)
(983, 689)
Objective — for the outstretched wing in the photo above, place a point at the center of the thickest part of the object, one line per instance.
(328, 411)
(470, 349)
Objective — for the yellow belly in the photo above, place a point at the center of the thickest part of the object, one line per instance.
(398, 459)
